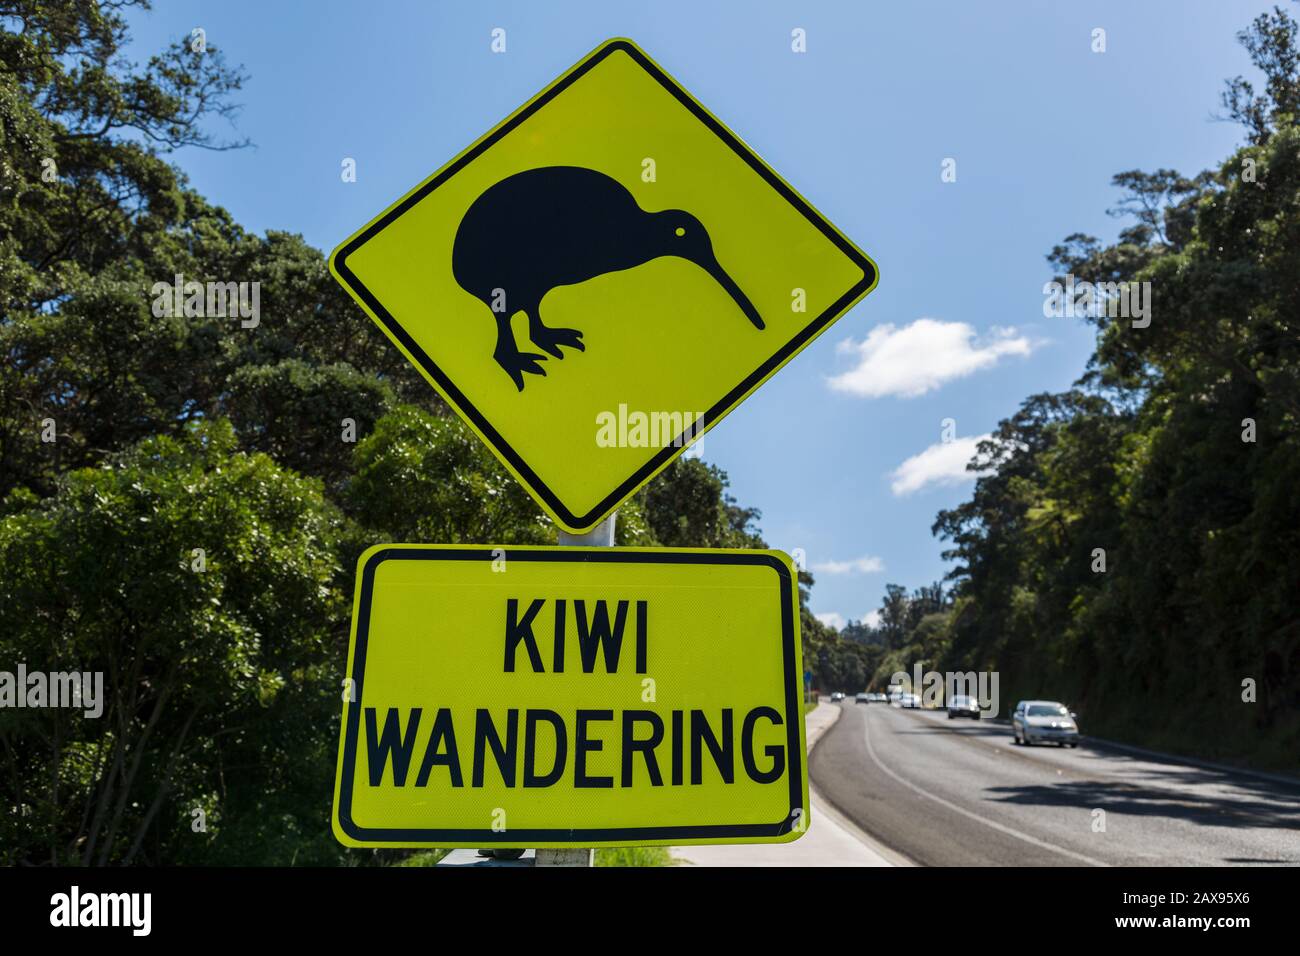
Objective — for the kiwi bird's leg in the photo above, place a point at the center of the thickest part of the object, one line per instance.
(510, 358)
(550, 340)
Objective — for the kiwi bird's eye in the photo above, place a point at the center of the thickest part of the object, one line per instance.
(681, 231)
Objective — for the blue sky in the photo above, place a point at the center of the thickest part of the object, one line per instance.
(860, 124)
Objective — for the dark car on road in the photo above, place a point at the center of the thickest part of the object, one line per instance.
(959, 705)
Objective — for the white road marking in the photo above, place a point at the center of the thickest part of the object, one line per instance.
(1010, 831)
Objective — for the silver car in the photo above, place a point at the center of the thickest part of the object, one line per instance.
(1044, 721)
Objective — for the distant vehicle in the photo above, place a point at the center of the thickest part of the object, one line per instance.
(838, 695)
(881, 698)
(962, 706)
(895, 695)
(863, 698)
(909, 701)
(1047, 721)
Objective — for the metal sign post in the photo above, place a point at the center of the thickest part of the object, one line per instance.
(601, 536)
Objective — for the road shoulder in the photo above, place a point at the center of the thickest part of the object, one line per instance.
(831, 839)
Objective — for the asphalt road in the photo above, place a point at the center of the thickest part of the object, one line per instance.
(961, 793)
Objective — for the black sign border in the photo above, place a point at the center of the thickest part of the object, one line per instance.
(720, 408)
(576, 836)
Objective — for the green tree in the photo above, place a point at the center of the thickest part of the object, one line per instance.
(687, 505)
(424, 477)
(202, 582)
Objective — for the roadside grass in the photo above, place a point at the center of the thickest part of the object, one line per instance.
(423, 858)
(605, 856)
(633, 856)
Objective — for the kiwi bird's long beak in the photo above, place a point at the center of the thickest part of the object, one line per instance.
(714, 268)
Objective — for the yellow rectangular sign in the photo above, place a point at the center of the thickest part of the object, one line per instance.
(556, 697)
(609, 253)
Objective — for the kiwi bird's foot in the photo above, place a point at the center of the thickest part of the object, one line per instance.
(516, 363)
(550, 340)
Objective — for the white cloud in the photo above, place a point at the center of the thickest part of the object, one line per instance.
(836, 620)
(922, 356)
(940, 464)
(864, 565)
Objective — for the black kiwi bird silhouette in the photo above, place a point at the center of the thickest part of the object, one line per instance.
(557, 226)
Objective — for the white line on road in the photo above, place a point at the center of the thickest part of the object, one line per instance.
(1010, 831)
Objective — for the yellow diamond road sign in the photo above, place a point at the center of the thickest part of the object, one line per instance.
(600, 279)
(550, 697)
